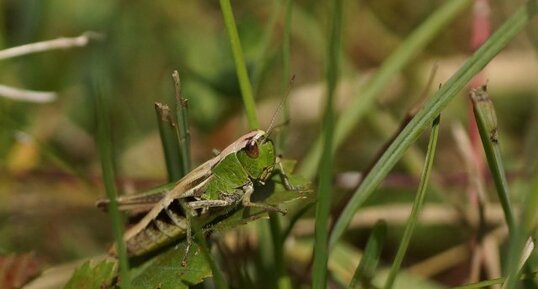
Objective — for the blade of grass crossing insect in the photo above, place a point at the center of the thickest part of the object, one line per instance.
(218, 277)
(369, 260)
(417, 205)
(168, 134)
(278, 239)
(321, 250)
(431, 109)
(276, 231)
(99, 88)
(182, 137)
(390, 67)
(486, 120)
(240, 67)
(521, 234)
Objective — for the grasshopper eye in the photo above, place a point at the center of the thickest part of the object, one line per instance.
(252, 150)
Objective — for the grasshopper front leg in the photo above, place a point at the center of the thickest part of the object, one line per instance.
(190, 211)
(249, 189)
(283, 175)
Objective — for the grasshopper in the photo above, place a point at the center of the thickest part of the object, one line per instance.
(223, 182)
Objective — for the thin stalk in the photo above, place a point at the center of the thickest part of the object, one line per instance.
(295, 219)
(522, 233)
(99, 88)
(283, 281)
(183, 131)
(363, 103)
(486, 120)
(262, 54)
(286, 74)
(372, 253)
(431, 109)
(168, 133)
(240, 66)
(218, 277)
(321, 249)
(491, 282)
(417, 206)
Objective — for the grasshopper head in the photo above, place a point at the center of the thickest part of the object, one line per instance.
(257, 156)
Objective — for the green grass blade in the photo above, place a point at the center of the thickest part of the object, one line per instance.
(417, 206)
(323, 205)
(486, 121)
(372, 253)
(431, 109)
(218, 277)
(277, 235)
(286, 83)
(168, 134)
(99, 87)
(240, 66)
(277, 241)
(521, 234)
(263, 55)
(390, 67)
(183, 132)
(488, 283)
(296, 217)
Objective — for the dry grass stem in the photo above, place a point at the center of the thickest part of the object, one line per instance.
(59, 43)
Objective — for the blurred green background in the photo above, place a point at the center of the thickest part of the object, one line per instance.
(49, 166)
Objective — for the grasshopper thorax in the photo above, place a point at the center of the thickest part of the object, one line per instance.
(257, 156)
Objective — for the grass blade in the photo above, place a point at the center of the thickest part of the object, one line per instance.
(368, 265)
(431, 109)
(486, 120)
(321, 252)
(183, 132)
(417, 206)
(488, 283)
(168, 134)
(99, 87)
(277, 235)
(522, 233)
(240, 66)
(390, 67)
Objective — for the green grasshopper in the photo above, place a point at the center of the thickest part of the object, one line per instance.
(220, 183)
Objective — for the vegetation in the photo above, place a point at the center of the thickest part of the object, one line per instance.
(444, 137)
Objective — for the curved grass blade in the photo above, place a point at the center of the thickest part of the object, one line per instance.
(417, 206)
(522, 234)
(397, 60)
(368, 265)
(488, 283)
(431, 109)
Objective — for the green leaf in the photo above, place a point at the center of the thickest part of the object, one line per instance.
(166, 272)
(88, 277)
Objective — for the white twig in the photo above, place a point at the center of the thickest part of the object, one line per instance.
(60, 43)
(26, 95)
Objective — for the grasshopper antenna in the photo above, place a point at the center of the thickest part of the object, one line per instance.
(280, 105)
